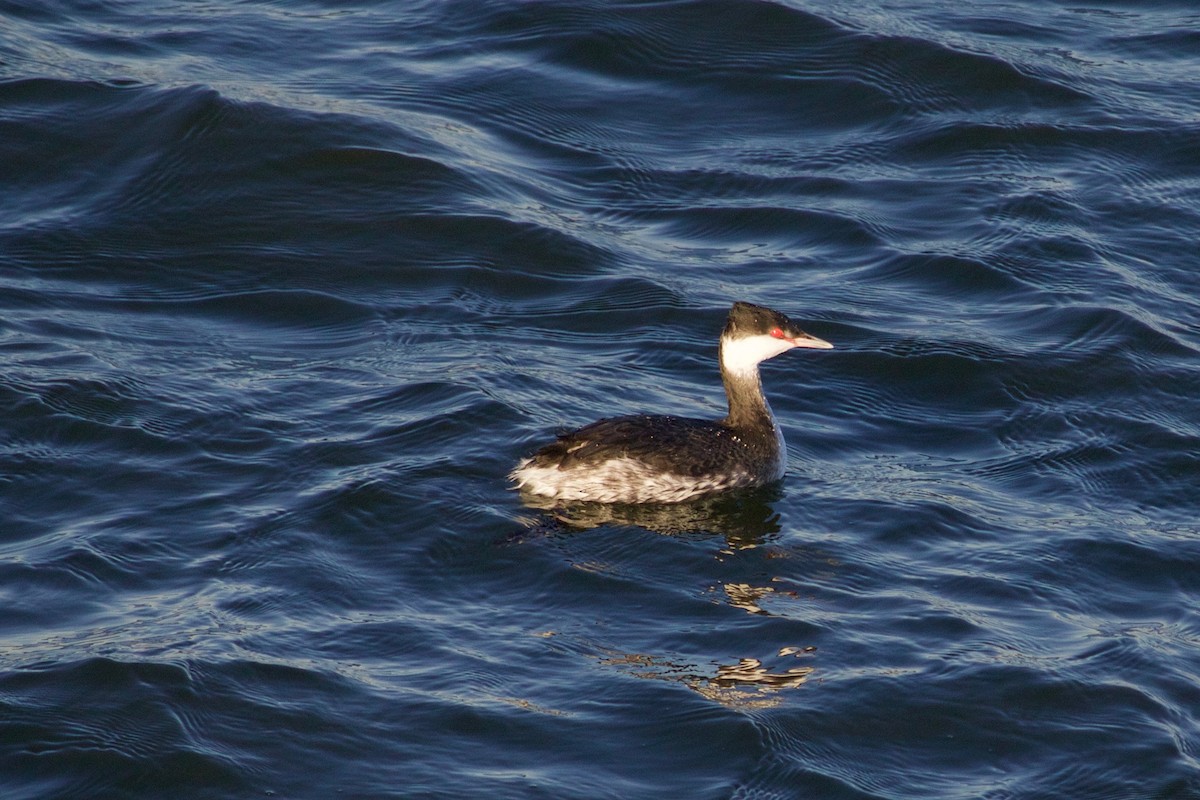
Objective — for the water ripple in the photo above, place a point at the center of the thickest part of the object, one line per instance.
(285, 291)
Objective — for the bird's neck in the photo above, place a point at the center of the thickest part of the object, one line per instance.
(748, 409)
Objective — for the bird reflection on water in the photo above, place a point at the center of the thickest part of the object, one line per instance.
(746, 684)
(745, 518)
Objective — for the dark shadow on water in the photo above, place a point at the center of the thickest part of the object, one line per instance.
(745, 518)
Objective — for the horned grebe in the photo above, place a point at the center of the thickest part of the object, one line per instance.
(665, 459)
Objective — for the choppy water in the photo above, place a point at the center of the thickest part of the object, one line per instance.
(287, 288)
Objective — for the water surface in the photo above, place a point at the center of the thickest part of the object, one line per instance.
(287, 289)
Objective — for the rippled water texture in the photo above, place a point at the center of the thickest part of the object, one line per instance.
(287, 288)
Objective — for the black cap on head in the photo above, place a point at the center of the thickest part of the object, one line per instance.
(747, 319)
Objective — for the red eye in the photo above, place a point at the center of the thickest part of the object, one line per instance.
(777, 333)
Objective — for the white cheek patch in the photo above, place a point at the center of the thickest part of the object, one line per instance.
(742, 356)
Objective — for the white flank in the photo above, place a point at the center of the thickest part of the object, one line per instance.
(620, 480)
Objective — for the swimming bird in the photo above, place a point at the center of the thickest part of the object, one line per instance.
(667, 459)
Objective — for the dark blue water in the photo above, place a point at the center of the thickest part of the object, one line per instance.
(287, 288)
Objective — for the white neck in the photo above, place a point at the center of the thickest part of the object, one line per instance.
(741, 356)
